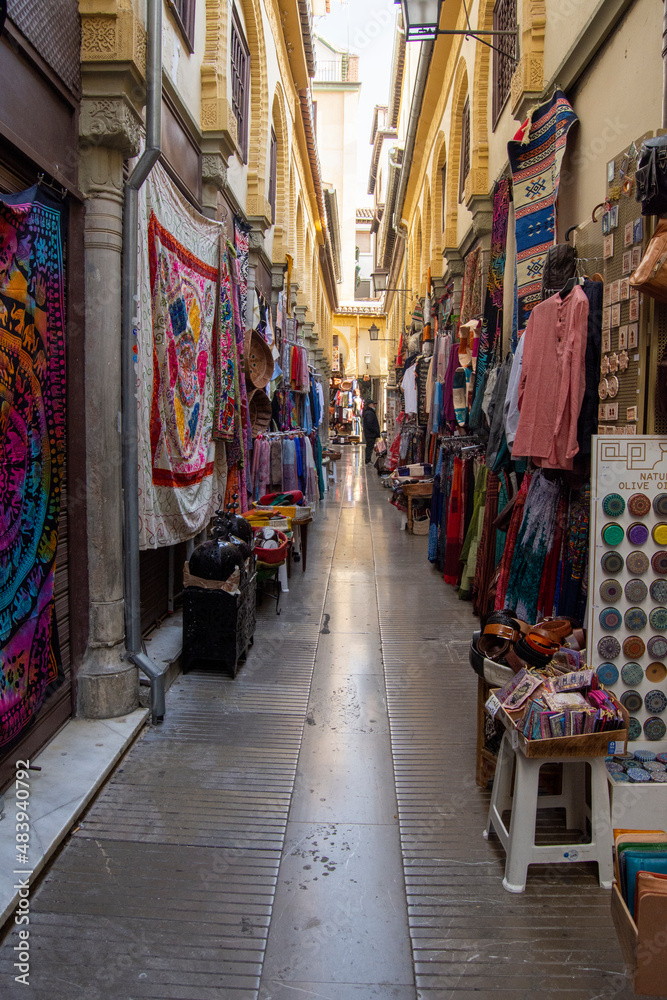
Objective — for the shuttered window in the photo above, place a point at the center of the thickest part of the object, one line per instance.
(184, 14)
(240, 65)
(273, 175)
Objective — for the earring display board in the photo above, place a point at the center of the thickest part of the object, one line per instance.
(627, 598)
(613, 246)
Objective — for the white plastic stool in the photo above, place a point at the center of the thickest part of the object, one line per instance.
(326, 473)
(332, 471)
(282, 577)
(519, 841)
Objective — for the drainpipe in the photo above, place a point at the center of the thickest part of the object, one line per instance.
(130, 307)
(664, 66)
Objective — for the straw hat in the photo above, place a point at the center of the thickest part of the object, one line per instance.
(258, 359)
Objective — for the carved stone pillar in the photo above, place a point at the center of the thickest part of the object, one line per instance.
(454, 267)
(277, 285)
(214, 182)
(255, 250)
(107, 683)
(300, 314)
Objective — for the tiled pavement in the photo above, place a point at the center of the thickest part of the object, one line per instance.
(260, 844)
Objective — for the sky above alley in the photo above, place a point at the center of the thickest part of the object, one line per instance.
(365, 27)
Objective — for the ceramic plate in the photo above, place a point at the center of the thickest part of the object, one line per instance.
(659, 776)
(660, 504)
(611, 590)
(633, 647)
(657, 647)
(659, 591)
(655, 765)
(634, 729)
(621, 777)
(632, 700)
(612, 562)
(662, 757)
(656, 672)
(609, 648)
(637, 533)
(659, 562)
(635, 619)
(613, 534)
(654, 729)
(639, 505)
(637, 563)
(658, 619)
(632, 674)
(636, 591)
(615, 768)
(638, 774)
(644, 755)
(655, 702)
(607, 673)
(613, 505)
(611, 619)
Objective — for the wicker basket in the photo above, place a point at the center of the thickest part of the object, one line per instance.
(259, 408)
(421, 527)
(272, 556)
(258, 360)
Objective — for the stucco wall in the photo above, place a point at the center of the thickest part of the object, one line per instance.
(611, 111)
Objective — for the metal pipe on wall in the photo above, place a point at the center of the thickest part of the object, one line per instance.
(130, 307)
(664, 65)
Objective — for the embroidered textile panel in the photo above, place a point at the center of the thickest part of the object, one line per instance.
(32, 444)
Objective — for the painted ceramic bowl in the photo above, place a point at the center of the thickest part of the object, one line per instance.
(636, 591)
(634, 729)
(638, 774)
(610, 591)
(660, 533)
(644, 755)
(633, 647)
(656, 672)
(655, 702)
(632, 700)
(613, 534)
(637, 563)
(632, 674)
(612, 562)
(654, 765)
(621, 778)
(660, 504)
(607, 673)
(639, 505)
(614, 768)
(657, 647)
(662, 757)
(611, 619)
(654, 729)
(658, 591)
(613, 505)
(658, 619)
(659, 776)
(637, 533)
(635, 619)
(609, 648)
(659, 562)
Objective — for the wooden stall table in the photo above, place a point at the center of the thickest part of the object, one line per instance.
(303, 538)
(411, 490)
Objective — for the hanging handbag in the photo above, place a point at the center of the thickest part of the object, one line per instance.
(651, 275)
(560, 265)
(651, 176)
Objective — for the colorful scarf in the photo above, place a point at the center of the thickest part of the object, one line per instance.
(225, 355)
(32, 439)
(242, 244)
(181, 472)
(535, 155)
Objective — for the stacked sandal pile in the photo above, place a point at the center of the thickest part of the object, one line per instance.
(508, 640)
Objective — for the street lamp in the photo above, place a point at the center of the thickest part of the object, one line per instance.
(422, 18)
(367, 360)
(373, 332)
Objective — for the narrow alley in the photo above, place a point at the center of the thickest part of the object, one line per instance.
(259, 844)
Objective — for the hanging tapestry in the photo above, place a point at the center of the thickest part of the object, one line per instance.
(492, 321)
(181, 473)
(535, 155)
(32, 445)
(242, 244)
(473, 279)
(225, 355)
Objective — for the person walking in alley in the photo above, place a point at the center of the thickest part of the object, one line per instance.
(371, 428)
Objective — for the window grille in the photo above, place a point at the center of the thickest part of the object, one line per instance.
(504, 19)
(273, 174)
(465, 148)
(184, 11)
